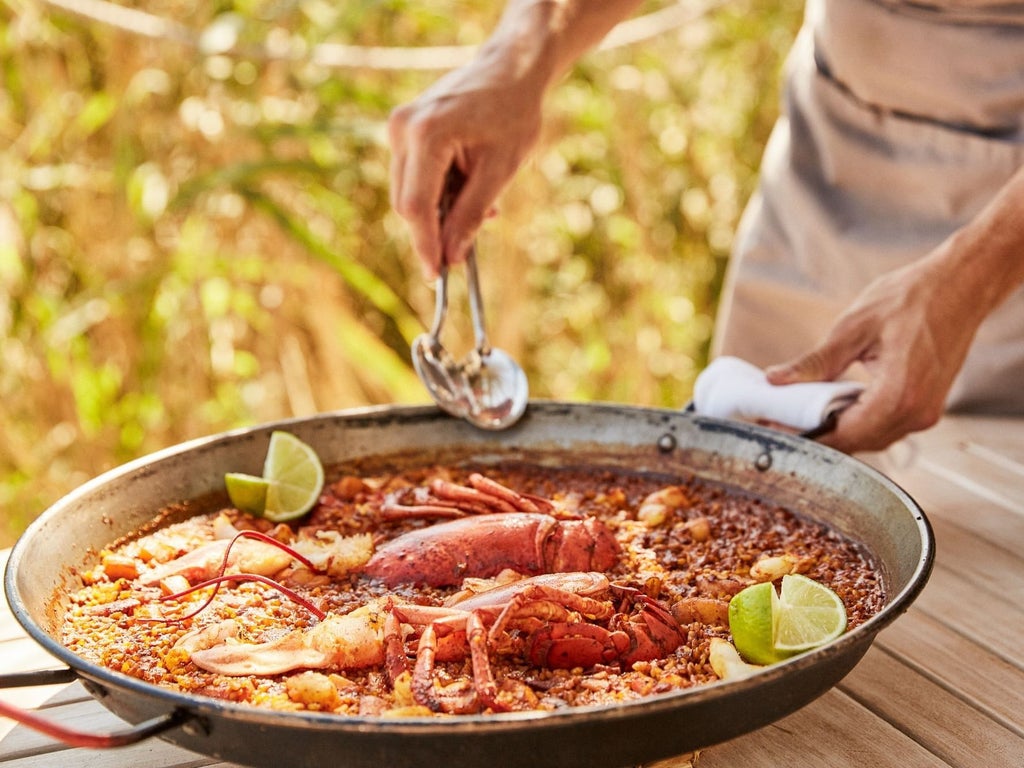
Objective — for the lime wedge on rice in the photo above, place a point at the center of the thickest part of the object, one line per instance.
(752, 617)
(768, 626)
(810, 614)
(292, 480)
(247, 492)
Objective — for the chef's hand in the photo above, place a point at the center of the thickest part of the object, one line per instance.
(912, 328)
(485, 117)
(901, 329)
(483, 120)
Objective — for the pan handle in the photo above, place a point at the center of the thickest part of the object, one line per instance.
(37, 677)
(69, 736)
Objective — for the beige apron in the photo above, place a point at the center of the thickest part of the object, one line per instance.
(901, 122)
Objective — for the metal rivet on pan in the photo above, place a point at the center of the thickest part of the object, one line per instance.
(763, 462)
(667, 443)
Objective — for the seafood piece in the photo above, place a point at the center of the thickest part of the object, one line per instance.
(352, 641)
(699, 528)
(120, 566)
(530, 605)
(657, 506)
(334, 554)
(652, 630)
(553, 615)
(240, 555)
(556, 617)
(254, 553)
(314, 690)
(726, 661)
(209, 636)
(482, 546)
(772, 567)
(444, 499)
(707, 610)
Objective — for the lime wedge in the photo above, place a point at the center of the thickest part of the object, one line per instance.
(247, 492)
(292, 480)
(752, 623)
(768, 627)
(295, 476)
(809, 614)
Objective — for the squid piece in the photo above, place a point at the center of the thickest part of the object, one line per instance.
(352, 641)
(726, 661)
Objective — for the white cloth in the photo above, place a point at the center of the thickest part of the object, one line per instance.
(730, 388)
(902, 120)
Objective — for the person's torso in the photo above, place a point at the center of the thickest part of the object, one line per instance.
(956, 62)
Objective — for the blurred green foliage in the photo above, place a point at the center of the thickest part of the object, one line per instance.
(196, 240)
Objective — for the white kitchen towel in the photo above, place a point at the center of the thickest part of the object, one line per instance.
(730, 388)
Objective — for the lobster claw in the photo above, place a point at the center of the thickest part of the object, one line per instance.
(652, 630)
(565, 645)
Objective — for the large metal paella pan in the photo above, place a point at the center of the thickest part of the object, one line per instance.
(818, 482)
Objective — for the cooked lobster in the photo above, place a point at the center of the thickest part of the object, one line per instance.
(482, 546)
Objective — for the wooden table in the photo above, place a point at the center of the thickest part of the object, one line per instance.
(942, 686)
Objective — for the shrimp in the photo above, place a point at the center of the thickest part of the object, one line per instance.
(253, 553)
(242, 556)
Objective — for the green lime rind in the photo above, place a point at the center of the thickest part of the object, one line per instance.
(293, 478)
(247, 492)
(752, 623)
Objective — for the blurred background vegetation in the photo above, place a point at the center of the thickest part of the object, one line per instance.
(195, 232)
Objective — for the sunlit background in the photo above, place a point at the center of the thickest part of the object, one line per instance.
(195, 232)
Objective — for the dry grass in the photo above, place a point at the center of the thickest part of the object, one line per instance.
(191, 243)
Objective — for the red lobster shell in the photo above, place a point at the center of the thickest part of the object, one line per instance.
(483, 546)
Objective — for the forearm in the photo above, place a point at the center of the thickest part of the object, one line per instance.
(540, 40)
(985, 259)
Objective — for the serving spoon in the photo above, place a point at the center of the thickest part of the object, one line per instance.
(442, 375)
(495, 382)
(488, 388)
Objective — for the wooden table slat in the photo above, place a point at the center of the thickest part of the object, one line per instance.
(809, 737)
(986, 618)
(945, 724)
(151, 754)
(978, 561)
(985, 436)
(985, 680)
(942, 498)
(987, 481)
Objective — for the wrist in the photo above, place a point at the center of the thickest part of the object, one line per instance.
(523, 50)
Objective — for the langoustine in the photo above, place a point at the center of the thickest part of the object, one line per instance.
(563, 620)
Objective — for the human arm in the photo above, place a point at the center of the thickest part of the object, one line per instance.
(485, 117)
(912, 328)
